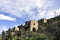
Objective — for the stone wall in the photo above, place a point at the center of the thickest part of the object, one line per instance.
(33, 25)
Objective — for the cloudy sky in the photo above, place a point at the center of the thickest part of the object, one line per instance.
(16, 12)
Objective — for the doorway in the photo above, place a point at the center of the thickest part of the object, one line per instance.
(34, 29)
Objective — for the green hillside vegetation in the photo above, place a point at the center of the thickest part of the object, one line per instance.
(0, 38)
(47, 31)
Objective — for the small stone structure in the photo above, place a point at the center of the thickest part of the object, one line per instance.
(44, 20)
(16, 29)
(33, 25)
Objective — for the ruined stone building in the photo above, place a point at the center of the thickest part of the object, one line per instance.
(32, 25)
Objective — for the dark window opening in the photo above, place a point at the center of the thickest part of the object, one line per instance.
(34, 29)
(34, 23)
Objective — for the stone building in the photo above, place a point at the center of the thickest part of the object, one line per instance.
(33, 25)
(44, 20)
(16, 29)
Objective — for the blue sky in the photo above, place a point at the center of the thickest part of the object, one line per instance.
(16, 12)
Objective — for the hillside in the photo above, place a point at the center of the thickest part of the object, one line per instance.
(47, 31)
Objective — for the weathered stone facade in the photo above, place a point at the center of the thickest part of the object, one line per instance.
(16, 29)
(33, 25)
(44, 20)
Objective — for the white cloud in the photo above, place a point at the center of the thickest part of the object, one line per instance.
(40, 15)
(57, 12)
(50, 14)
(20, 8)
(53, 13)
(23, 8)
(3, 17)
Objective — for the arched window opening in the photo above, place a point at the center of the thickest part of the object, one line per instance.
(34, 29)
(34, 23)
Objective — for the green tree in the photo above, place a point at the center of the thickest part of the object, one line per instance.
(9, 34)
(3, 35)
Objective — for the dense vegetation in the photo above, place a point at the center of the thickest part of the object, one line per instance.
(30, 36)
